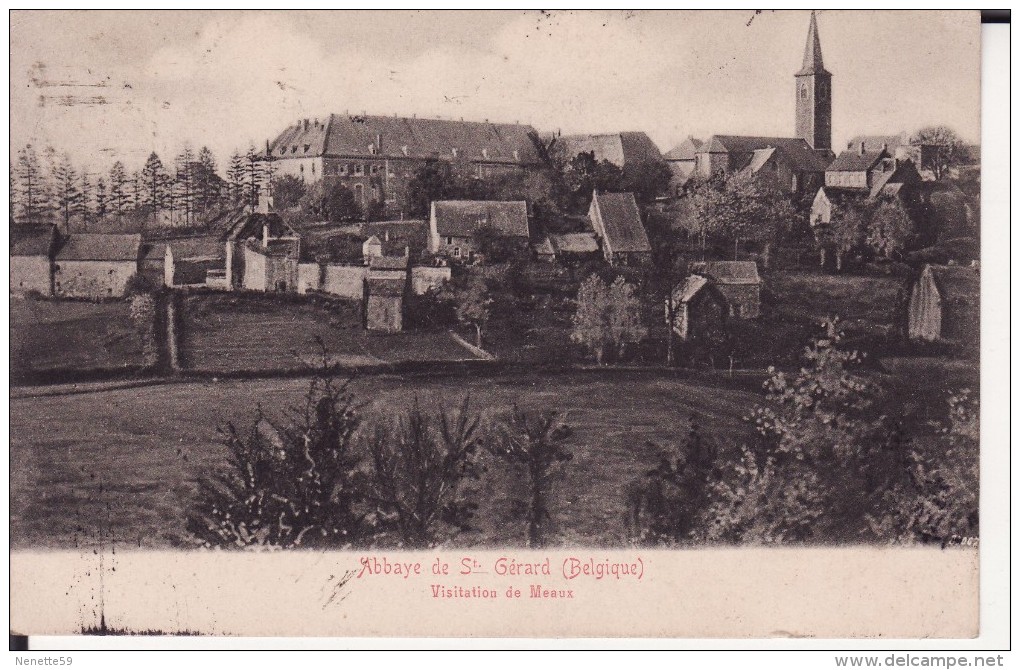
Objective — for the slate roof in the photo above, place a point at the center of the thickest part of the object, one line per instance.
(32, 240)
(690, 288)
(343, 135)
(461, 218)
(618, 148)
(854, 161)
(874, 143)
(384, 286)
(813, 51)
(621, 221)
(388, 262)
(574, 243)
(800, 153)
(685, 151)
(100, 247)
(728, 272)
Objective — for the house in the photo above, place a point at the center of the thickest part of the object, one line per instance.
(945, 305)
(454, 223)
(385, 304)
(791, 161)
(696, 306)
(857, 177)
(262, 253)
(617, 223)
(620, 149)
(681, 161)
(737, 281)
(194, 261)
(377, 156)
(32, 250)
(371, 247)
(96, 265)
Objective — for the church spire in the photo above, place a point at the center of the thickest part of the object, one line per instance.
(813, 50)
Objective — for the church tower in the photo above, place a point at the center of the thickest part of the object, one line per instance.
(814, 95)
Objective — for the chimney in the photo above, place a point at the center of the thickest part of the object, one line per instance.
(862, 148)
(386, 235)
(378, 142)
(265, 236)
(849, 146)
(306, 124)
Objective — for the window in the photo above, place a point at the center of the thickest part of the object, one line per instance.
(449, 240)
(313, 168)
(359, 169)
(456, 252)
(307, 147)
(375, 169)
(341, 169)
(301, 168)
(803, 92)
(293, 149)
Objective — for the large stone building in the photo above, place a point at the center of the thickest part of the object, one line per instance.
(96, 266)
(377, 156)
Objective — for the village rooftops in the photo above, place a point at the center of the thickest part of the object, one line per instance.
(801, 155)
(32, 240)
(462, 218)
(100, 247)
(620, 149)
(728, 272)
(853, 160)
(620, 222)
(345, 135)
(685, 151)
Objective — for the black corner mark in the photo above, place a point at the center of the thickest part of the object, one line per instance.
(18, 642)
(995, 15)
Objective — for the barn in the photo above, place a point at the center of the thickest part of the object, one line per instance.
(739, 283)
(31, 259)
(96, 265)
(945, 305)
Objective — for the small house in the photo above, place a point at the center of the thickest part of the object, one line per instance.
(738, 282)
(371, 248)
(32, 250)
(617, 223)
(453, 225)
(945, 305)
(96, 265)
(696, 306)
(194, 262)
(270, 244)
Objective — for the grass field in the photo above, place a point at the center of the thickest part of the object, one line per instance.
(61, 335)
(133, 456)
(240, 333)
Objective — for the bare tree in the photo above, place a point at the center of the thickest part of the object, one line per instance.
(941, 149)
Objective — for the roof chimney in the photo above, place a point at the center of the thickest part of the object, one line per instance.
(378, 142)
(849, 146)
(306, 124)
(862, 148)
(885, 146)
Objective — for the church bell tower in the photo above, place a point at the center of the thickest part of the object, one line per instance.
(814, 95)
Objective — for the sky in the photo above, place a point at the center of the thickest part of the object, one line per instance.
(109, 85)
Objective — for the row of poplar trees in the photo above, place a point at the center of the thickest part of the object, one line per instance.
(47, 187)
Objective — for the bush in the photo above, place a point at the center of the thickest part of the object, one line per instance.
(139, 283)
(530, 443)
(420, 473)
(292, 485)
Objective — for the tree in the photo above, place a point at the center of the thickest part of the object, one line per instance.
(421, 473)
(844, 232)
(254, 171)
(288, 191)
(84, 205)
(206, 180)
(668, 503)
(472, 303)
(184, 181)
(119, 195)
(532, 442)
(890, 230)
(433, 181)
(235, 177)
(155, 178)
(582, 175)
(941, 149)
(67, 191)
(647, 180)
(30, 186)
(289, 485)
(102, 204)
(330, 200)
(607, 318)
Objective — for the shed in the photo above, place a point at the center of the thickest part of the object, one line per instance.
(945, 305)
(385, 304)
(96, 265)
(738, 282)
(698, 305)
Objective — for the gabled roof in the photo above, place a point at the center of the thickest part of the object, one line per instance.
(876, 143)
(99, 247)
(32, 240)
(461, 218)
(374, 241)
(800, 153)
(252, 225)
(621, 222)
(685, 151)
(544, 247)
(855, 161)
(574, 243)
(728, 272)
(618, 148)
(196, 248)
(689, 288)
(400, 137)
